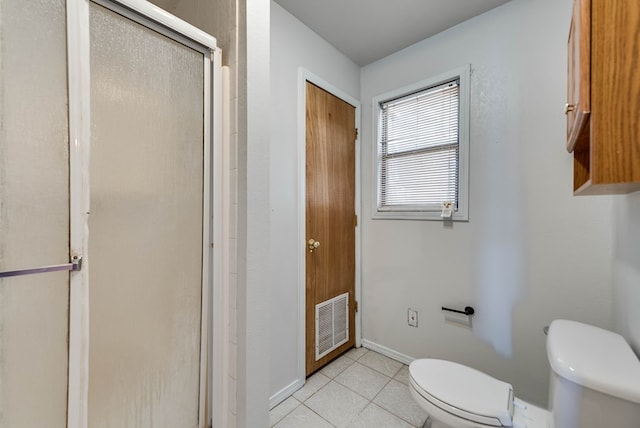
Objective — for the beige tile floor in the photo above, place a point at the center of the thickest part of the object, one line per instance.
(360, 389)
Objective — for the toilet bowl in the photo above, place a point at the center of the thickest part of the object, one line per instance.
(595, 382)
(458, 396)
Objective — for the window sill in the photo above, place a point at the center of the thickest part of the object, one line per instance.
(418, 215)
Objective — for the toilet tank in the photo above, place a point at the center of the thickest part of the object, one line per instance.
(595, 377)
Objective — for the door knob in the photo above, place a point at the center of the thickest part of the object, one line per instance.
(313, 244)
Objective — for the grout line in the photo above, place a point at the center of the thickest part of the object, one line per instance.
(394, 375)
(288, 413)
(321, 417)
(369, 401)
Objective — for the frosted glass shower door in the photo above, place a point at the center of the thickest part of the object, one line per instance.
(145, 226)
(34, 213)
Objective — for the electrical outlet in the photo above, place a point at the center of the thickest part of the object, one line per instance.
(412, 317)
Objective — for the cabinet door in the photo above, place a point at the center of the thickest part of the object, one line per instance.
(579, 77)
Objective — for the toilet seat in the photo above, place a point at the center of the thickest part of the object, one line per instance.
(463, 392)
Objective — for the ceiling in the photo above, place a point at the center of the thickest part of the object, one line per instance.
(368, 30)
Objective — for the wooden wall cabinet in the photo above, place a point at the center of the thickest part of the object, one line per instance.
(603, 96)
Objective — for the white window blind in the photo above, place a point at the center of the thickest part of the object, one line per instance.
(419, 149)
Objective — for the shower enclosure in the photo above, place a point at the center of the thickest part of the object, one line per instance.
(106, 146)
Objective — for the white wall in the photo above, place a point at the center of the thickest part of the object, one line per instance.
(293, 45)
(626, 269)
(253, 281)
(531, 251)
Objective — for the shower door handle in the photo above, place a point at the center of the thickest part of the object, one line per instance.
(74, 265)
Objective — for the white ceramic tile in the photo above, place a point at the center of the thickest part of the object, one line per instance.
(233, 355)
(396, 399)
(363, 380)
(356, 353)
(403, 375)
(336, 404)
(233, 325)
(336, 367)
(379, 362)
(301, 417)
(374, 416)
(233, 292)
(281, 410)
(313, 383)
(233, 193)
(233, 224)
(233, 259)
(233, 383)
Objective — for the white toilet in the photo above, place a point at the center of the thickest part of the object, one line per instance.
(595, 383)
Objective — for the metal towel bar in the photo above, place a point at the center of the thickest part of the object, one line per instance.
(75, 265)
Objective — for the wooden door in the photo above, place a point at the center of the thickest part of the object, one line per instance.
(330, 213)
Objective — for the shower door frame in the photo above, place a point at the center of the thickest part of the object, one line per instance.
(78, 36)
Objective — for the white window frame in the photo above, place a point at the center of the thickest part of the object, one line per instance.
(401, 213)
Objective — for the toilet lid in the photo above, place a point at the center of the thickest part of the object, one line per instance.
(463, 391)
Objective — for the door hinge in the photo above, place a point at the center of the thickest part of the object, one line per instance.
(355, 138)
(355, 220)
(356, 306)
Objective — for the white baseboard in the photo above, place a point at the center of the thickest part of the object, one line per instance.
(388, 352)
(285, 393)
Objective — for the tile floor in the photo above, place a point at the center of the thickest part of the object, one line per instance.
(360, 389)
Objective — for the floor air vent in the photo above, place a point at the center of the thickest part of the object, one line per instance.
(332, 324)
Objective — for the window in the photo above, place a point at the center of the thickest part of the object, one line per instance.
(422, 148)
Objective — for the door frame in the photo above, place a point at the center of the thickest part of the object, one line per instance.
(304, 76)
(78, 39)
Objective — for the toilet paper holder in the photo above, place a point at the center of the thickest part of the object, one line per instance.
(468, 310)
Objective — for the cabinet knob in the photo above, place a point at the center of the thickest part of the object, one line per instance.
(569, 107)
